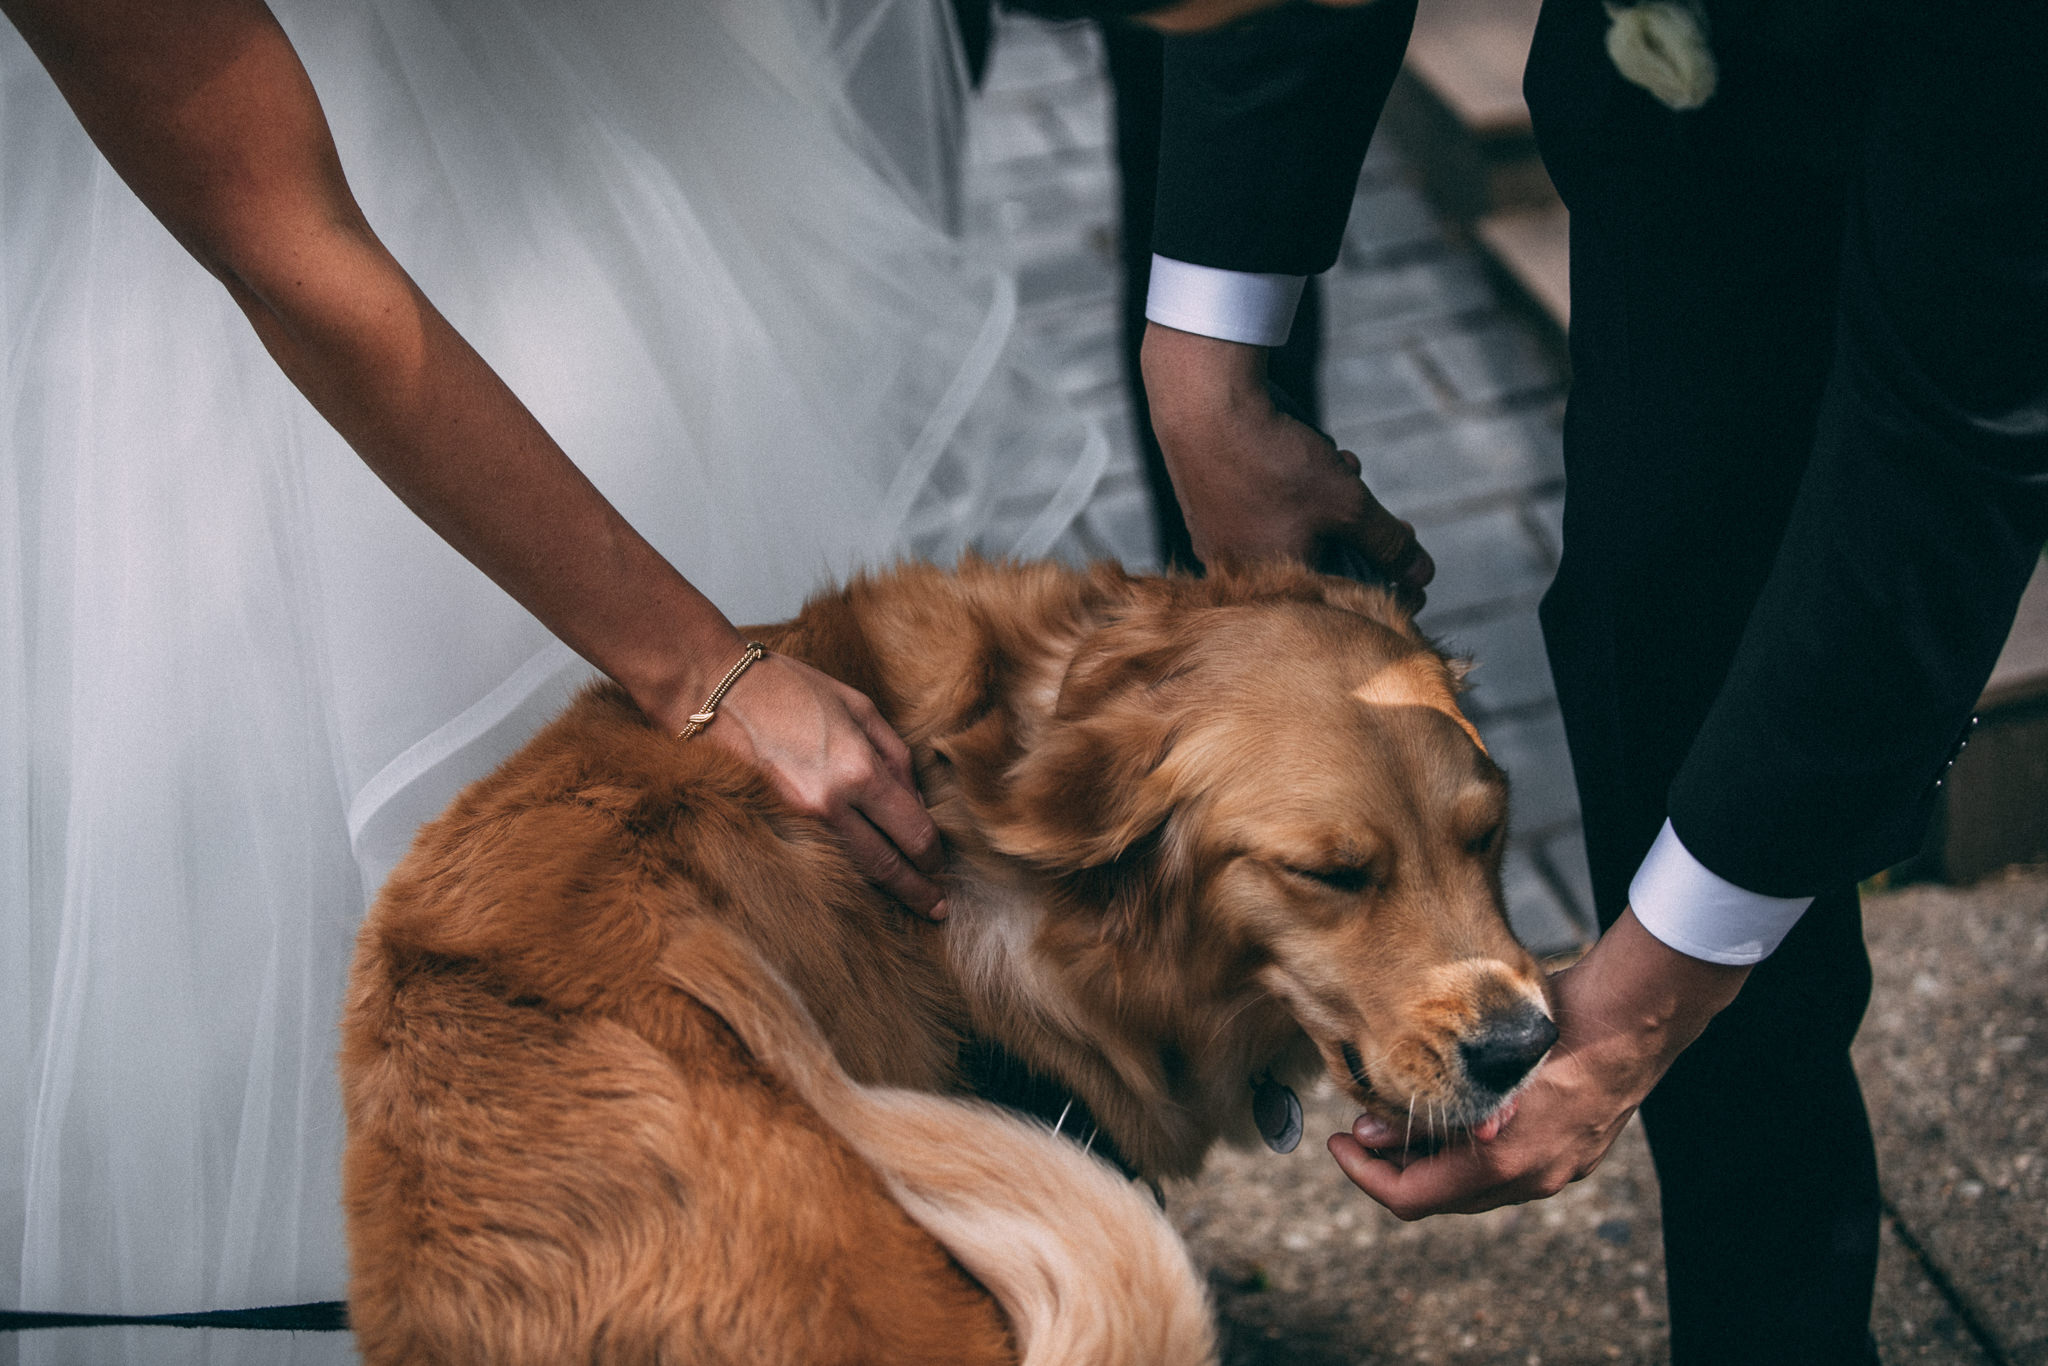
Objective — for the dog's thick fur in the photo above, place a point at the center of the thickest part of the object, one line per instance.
(639, 1069)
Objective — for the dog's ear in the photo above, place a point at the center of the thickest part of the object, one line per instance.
(1094, 781)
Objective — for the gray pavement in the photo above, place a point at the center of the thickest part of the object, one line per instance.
(1454, 407)
(1954, 1060)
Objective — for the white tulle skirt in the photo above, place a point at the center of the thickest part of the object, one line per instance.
(705, 240)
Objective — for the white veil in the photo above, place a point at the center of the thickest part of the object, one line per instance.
(705, 241)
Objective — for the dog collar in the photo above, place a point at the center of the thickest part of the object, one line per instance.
(997, 1075)
(1277, 1112)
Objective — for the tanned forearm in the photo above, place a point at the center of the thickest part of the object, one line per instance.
(427, 414)
(205, 110)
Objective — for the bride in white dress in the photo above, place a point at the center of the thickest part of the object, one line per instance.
(705, 242)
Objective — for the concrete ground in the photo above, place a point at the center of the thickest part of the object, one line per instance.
(1453, 407)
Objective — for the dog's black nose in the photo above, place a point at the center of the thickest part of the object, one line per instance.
(1507, 1046)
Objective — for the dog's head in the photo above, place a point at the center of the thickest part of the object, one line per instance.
(1264, 779)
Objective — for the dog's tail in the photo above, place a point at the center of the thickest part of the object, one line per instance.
(1084, 1265)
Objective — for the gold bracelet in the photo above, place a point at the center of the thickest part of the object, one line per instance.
(755, 652)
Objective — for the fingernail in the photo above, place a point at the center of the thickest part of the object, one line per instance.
(941, 911)
(1370, 1132)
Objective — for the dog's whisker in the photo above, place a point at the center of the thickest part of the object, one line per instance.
(1406, 1138)
(1065, 1110)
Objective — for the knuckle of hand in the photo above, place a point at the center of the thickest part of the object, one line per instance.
(812, 799)
(853, 772)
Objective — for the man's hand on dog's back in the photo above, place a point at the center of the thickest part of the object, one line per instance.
(1256, 482)
(1624, 1014)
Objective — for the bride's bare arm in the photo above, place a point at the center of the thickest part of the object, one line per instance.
(205, 111)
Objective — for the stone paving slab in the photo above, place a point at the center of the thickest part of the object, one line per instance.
(1563, 859)
(1541, 909)
(1390, 218)
(1402, 300)
(1494, 362)
(1545, 516)
(1485, 563)
(1434, 476)
(1541, 800)
(1368, 388)
(1510, 672)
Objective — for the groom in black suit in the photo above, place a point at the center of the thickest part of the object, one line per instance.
(1807, 453)
(1807, 465)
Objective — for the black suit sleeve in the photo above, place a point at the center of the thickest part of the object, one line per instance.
(1265, 125)
(1924, 508)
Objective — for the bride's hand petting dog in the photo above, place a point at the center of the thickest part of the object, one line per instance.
(639, 1068)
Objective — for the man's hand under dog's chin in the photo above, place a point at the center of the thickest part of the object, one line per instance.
(1624, 1013)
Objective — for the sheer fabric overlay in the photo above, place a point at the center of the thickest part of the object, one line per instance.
(707, 243)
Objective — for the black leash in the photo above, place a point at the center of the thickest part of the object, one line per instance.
(325, 1316)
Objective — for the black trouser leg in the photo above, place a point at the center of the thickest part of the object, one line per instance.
(1765, 1163)
(1136, 85)
(977, 21)
(1134, 61)
(1702, 325)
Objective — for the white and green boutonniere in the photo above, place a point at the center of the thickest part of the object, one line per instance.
(1661, 45)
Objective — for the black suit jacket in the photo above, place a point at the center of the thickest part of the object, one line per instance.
(1924, 503)
(1264, 127)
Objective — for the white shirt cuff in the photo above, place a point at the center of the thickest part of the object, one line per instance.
(1231, 305)
(1702, 914)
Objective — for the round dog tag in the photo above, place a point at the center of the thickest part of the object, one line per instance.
(1277, 1112)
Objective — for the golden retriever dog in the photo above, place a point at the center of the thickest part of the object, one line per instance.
(639, 1069)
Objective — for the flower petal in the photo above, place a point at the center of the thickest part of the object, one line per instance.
(1660, 46)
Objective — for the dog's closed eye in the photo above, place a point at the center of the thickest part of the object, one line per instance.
(1482, 844)
(1350, 878)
